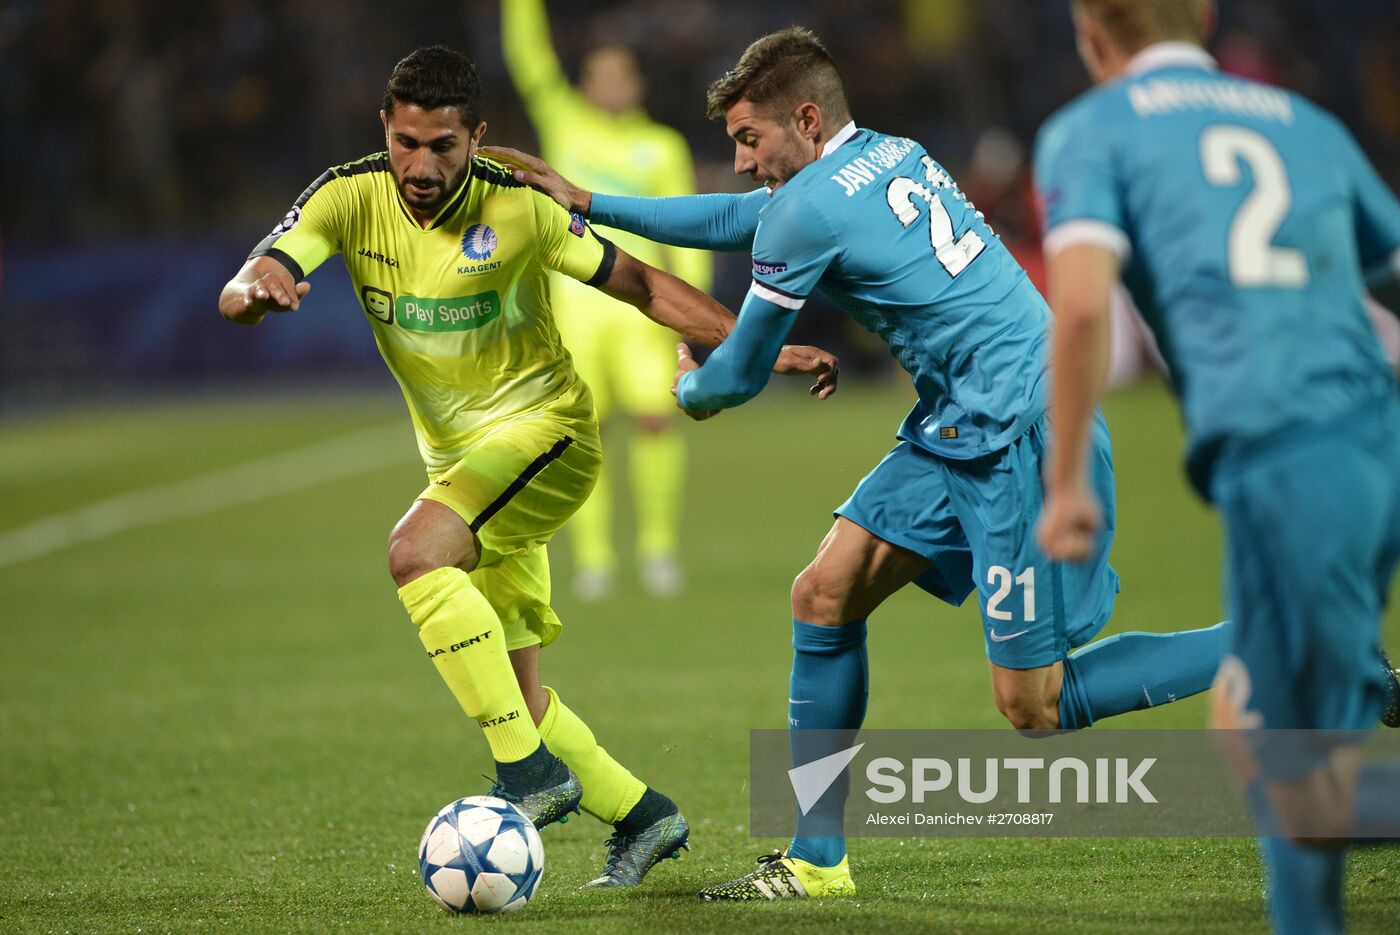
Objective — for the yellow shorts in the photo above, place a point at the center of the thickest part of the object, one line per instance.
(517, 485)
(627, 360)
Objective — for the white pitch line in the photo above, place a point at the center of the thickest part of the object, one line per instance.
(271, 476)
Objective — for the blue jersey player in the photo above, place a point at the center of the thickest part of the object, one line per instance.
(1247, 223)
(878, 226)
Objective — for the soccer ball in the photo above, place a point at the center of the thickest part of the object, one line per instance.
(481, 854)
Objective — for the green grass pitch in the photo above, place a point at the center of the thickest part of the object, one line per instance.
(225, 722)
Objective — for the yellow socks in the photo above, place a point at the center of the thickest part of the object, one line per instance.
(466, 642)
(465, 639)
(609, 790)
(658, 474)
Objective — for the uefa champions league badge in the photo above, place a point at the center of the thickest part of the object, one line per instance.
(478, 242)
(576, 225)
(288, 222)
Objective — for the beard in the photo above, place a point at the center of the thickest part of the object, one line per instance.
(435, 192)
(788, 163)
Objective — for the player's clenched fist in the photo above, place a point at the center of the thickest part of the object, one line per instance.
(684, 364)
(1069, 524)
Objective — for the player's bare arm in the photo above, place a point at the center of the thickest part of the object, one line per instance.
(1081, 283)
(263, 285)
(668, 301)
(541, 176)
(697, 317)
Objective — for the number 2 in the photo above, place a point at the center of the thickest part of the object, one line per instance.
(953, 253)
(1254, 260)
(1000, 576)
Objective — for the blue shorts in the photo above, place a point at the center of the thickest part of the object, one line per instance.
(975, 521)
(1312, 529)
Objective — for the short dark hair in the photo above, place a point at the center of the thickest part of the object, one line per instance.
(780, 71)
(433, 77)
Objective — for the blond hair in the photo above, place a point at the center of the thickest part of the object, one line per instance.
(1136, 24)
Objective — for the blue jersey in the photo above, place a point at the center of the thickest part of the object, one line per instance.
(881, 229)
(1248, 220)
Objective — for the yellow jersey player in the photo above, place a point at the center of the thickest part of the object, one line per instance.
(449, 257)
(600, 135)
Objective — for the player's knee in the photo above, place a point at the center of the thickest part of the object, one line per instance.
(814, 600)
(430, 536)
(407, 560)
(1319, 808)
(1025, 712)
(1323, 829)
(653, 424)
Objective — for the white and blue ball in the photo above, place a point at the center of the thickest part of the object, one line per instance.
(481, 854)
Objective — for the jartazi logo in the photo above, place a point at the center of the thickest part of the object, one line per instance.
(378, 257)
(1103, 780)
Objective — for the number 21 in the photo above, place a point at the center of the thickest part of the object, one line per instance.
(1000, 576)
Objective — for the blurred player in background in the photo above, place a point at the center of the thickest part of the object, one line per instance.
(600, 135)
(1248, 224)
(449, 255)
(881, 228)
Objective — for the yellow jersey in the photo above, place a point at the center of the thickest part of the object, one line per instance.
(460, 308)
(627, 154)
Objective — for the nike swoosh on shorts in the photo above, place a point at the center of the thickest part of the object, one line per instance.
(1010, 636)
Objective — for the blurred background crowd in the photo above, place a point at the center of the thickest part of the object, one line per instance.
(147, 144)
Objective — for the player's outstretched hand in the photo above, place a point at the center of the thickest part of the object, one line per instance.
(540, 175)
(684, 364)
(1069, 523)
(263, 285)
(275, 291)
(822, 365)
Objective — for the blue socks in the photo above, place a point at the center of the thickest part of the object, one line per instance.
(830, 684)
(1131, 671)
(1304, 886)
(1304, 883)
